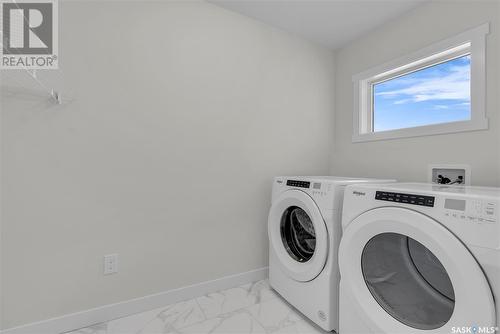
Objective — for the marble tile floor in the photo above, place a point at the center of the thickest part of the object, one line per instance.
(250, 308)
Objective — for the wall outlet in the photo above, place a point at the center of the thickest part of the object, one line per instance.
(449, 174)
(110, 264)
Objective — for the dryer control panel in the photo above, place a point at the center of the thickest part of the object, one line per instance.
(405, 198)
(297, 183)
(471, 211)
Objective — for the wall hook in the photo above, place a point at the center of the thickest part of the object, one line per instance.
(56, 96)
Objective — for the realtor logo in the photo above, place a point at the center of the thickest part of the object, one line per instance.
(29, 34)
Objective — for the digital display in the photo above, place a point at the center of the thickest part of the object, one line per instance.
(454, 204)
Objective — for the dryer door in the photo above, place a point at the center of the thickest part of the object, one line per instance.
(409, 274)
(298, 235)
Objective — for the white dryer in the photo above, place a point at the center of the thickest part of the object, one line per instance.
(304, 229)
(420, 258)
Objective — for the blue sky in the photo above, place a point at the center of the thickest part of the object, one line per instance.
(437, 94)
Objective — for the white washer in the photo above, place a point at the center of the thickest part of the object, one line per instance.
(304, 229)
(420, 258)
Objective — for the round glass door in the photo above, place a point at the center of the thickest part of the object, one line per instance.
(298, 234)
(408, 281)
(404, 272)
(298, 237)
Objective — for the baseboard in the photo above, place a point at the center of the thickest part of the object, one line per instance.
(104, 313)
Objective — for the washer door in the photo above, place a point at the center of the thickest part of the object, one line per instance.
(298, 235)
(407, 273)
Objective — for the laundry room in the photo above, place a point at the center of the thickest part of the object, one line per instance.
(249, 166)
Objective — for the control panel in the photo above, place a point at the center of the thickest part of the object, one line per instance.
(472, 211)
(300, 184)
(405, 198)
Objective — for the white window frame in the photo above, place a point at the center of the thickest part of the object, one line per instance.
(471, 42)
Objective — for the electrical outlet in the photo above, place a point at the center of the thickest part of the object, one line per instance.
(110, 264)
(449, 174)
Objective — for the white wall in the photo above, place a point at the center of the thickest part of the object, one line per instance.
(181, 115)
(408, 159)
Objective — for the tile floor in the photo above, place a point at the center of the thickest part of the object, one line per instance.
(250, 308)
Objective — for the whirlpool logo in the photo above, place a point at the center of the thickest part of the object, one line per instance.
(474, 330)
(359, 193)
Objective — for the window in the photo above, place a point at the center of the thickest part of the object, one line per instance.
(440, 89)
(436, 94)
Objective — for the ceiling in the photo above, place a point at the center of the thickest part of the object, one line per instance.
(332, 23)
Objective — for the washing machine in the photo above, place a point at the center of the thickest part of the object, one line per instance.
(304, 230)
(420, 258)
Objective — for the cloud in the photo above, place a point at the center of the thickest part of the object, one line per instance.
(403, 101)
(452, 85)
